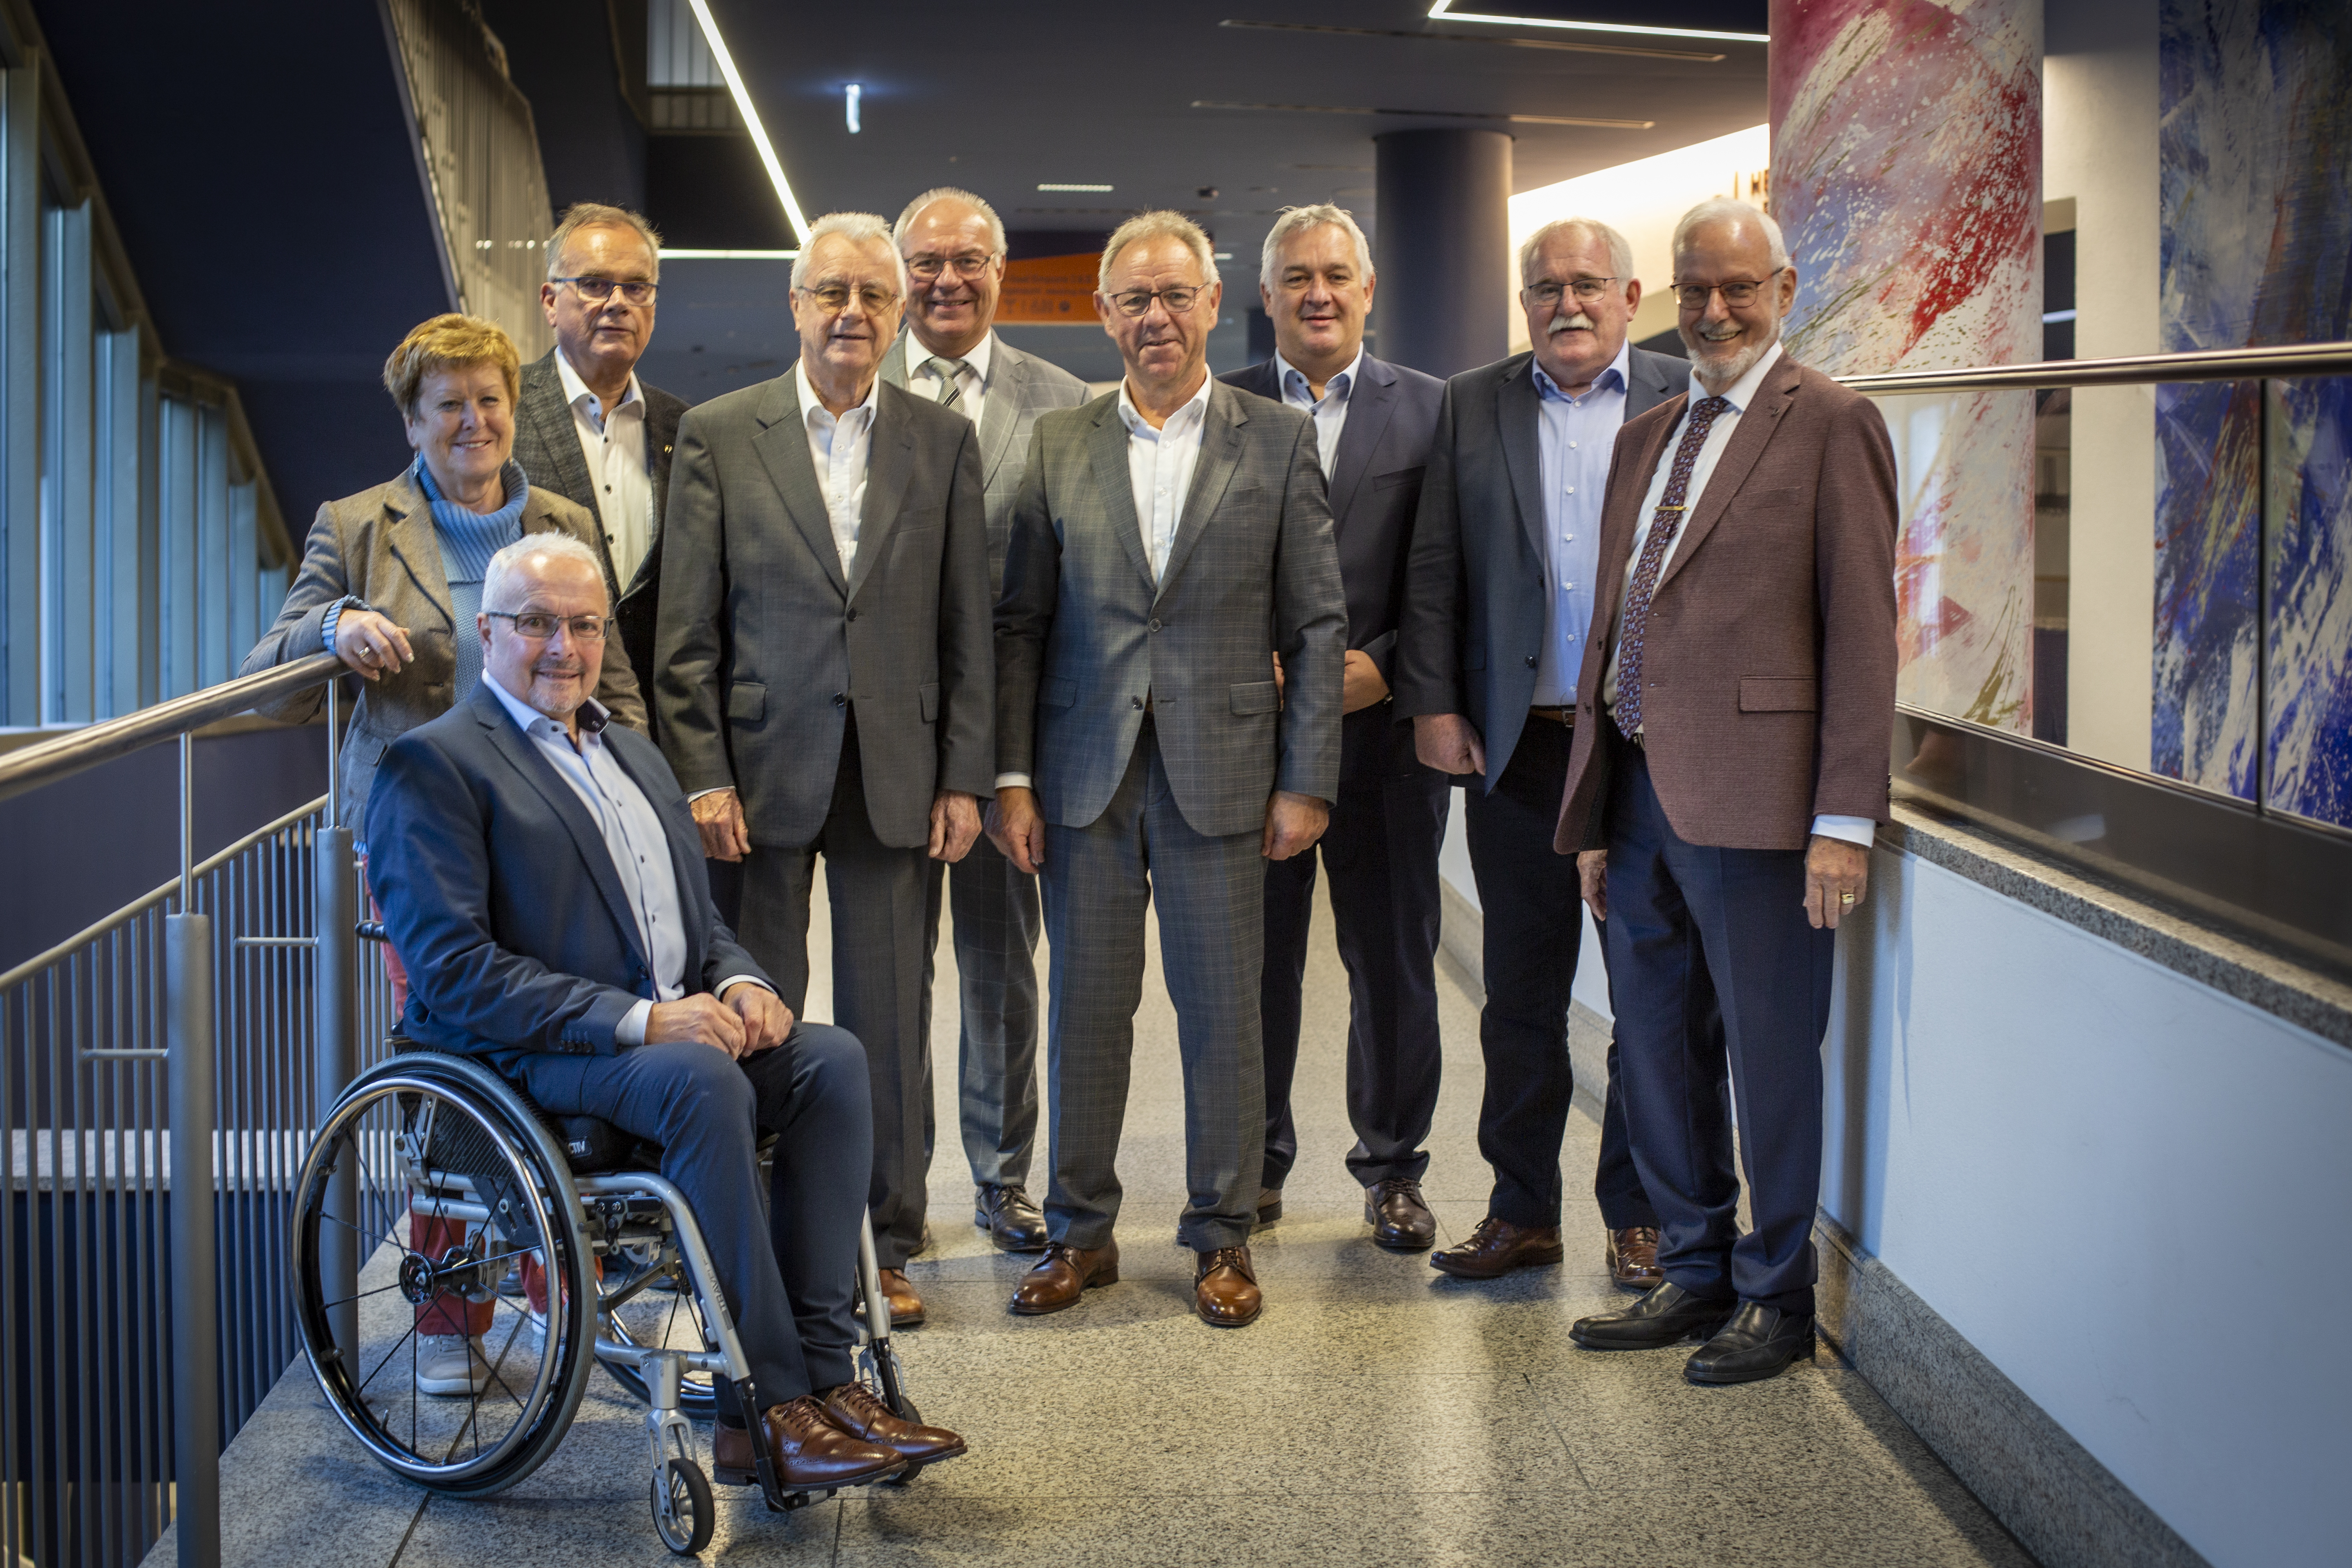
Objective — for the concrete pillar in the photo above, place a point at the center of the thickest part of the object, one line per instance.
(1441, 246)
(1906, 174)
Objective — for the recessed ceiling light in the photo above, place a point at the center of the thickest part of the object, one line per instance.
(1442, 12)
(742, 96)
(849, 97)
(1065, 187)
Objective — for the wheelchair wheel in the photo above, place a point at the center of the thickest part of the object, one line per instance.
(430, 1180)
(683, 1513)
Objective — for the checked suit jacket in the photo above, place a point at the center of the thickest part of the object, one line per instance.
(1086, 636)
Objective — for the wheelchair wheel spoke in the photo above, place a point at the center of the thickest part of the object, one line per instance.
(395, 1351)
(361, 1297)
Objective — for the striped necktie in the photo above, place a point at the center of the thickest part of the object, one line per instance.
(1663, 529)
(950, 374)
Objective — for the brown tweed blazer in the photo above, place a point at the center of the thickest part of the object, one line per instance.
(1769, 657)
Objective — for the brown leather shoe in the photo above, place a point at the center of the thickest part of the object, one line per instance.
(1401, 1221)
(1632, 1255)
(852, 1407)
(1224, 1288)
(906, 1307)
(1497, 1247)
(1063, 1275)
(810, 1453)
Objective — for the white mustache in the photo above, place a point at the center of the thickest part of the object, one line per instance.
(1578, 323)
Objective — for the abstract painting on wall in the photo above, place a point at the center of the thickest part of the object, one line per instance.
(1906, 174)
(2257, 248)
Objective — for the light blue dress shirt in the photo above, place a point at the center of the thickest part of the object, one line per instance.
(1576, 436)
(1329, 411)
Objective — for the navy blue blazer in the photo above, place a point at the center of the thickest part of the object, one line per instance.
(1472, 627)
(1375, 491)
(501, 899)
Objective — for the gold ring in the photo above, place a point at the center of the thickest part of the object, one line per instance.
(1846, 898)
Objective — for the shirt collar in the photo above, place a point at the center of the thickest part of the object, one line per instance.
(575, 389)
(1742, 392)
(1196, 407)
(978, 361)
(811, 405)
(1344, 380)
(1547, 388)
(594, 715)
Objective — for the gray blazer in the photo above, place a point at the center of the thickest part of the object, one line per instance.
(547, 444)
(1084, 638)
(380, 545)
(1473, 612)
(762, 645)
(1020, 386)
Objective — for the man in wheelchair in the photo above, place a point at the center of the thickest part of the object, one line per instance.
(540, 875)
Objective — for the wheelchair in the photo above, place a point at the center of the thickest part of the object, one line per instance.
(450, 1194)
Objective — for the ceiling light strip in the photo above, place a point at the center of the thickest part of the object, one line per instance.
(1634, 50)
(1098, 189)
(1439, 12)
(668, 255)
(1432, 114)
(751, 118)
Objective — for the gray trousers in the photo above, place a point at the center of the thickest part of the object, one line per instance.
(996, 925)
(788, 1277)
(1098, 882)
(886, 919)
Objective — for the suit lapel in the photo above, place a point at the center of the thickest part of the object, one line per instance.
(558, 437)
(1516, 412)
(1220, 454)
(684, 850)
(523, 754)
(1740, 454)
(1001, 410)
(889, 463)
(1107, 454)
(1370, 405)
(413, 544)
(783, 446)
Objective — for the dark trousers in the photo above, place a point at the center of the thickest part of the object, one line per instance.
(1381, 852)
(1720, 983)
(885, 920)
(788, 1277)
(997, 921)
(1529, 907)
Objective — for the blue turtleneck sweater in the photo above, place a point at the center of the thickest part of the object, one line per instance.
(468, 539)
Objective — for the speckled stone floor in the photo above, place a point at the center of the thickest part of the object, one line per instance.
(1376, 1413)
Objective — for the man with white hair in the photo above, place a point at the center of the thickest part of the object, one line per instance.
(953, 244)
(826, 677)
(1734, 703)
(1171, 542)
(1373, 421)
(1505, 558)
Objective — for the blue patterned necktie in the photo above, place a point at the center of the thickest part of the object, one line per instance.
(1663, 528)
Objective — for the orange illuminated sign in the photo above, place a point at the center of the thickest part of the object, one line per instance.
(1048, 289)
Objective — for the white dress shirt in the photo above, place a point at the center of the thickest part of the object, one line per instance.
(1160, 466)
(1741, 394)
(1329, 411)
(613, 445)
(839, 448)
(633, 838)
(973, 376)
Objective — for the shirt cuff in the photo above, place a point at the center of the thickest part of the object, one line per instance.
(720, 789)
(631, 1029)
(1859, 830)
(1014, 781)
(730, 984)
(335, 613)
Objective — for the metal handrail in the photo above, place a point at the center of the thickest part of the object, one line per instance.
(68, 754)
(2134, 370)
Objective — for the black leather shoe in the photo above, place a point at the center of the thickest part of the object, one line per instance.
(1400, 1220)
(1269, 1205)
(1666, 1316)
(1012, 1221)
(1758, 1344)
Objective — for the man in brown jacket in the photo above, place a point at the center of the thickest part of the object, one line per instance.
(1733, 710)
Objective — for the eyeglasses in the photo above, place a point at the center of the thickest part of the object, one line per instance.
(1585, 289)
(927, 269)
(834, 298)
(596, 290)
(1737, 293)
(1136, 301)
(538, 625)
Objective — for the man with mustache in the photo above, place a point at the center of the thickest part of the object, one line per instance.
(1734, 704)
(1372, 425)
(826, 676)
(1506, 553)
(953, 244)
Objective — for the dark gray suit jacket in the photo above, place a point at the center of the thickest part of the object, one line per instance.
(1375, 489)
(1473, 618)
(499, 895)
(1084, 637)
(547, 444)
(1020, 386)
(763, 647)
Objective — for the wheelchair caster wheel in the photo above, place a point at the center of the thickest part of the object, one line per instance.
(684, 1515)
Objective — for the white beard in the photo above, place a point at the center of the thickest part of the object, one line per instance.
(1716, 367)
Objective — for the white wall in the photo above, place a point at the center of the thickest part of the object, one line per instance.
(1591, 985)
(2131, 1191)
